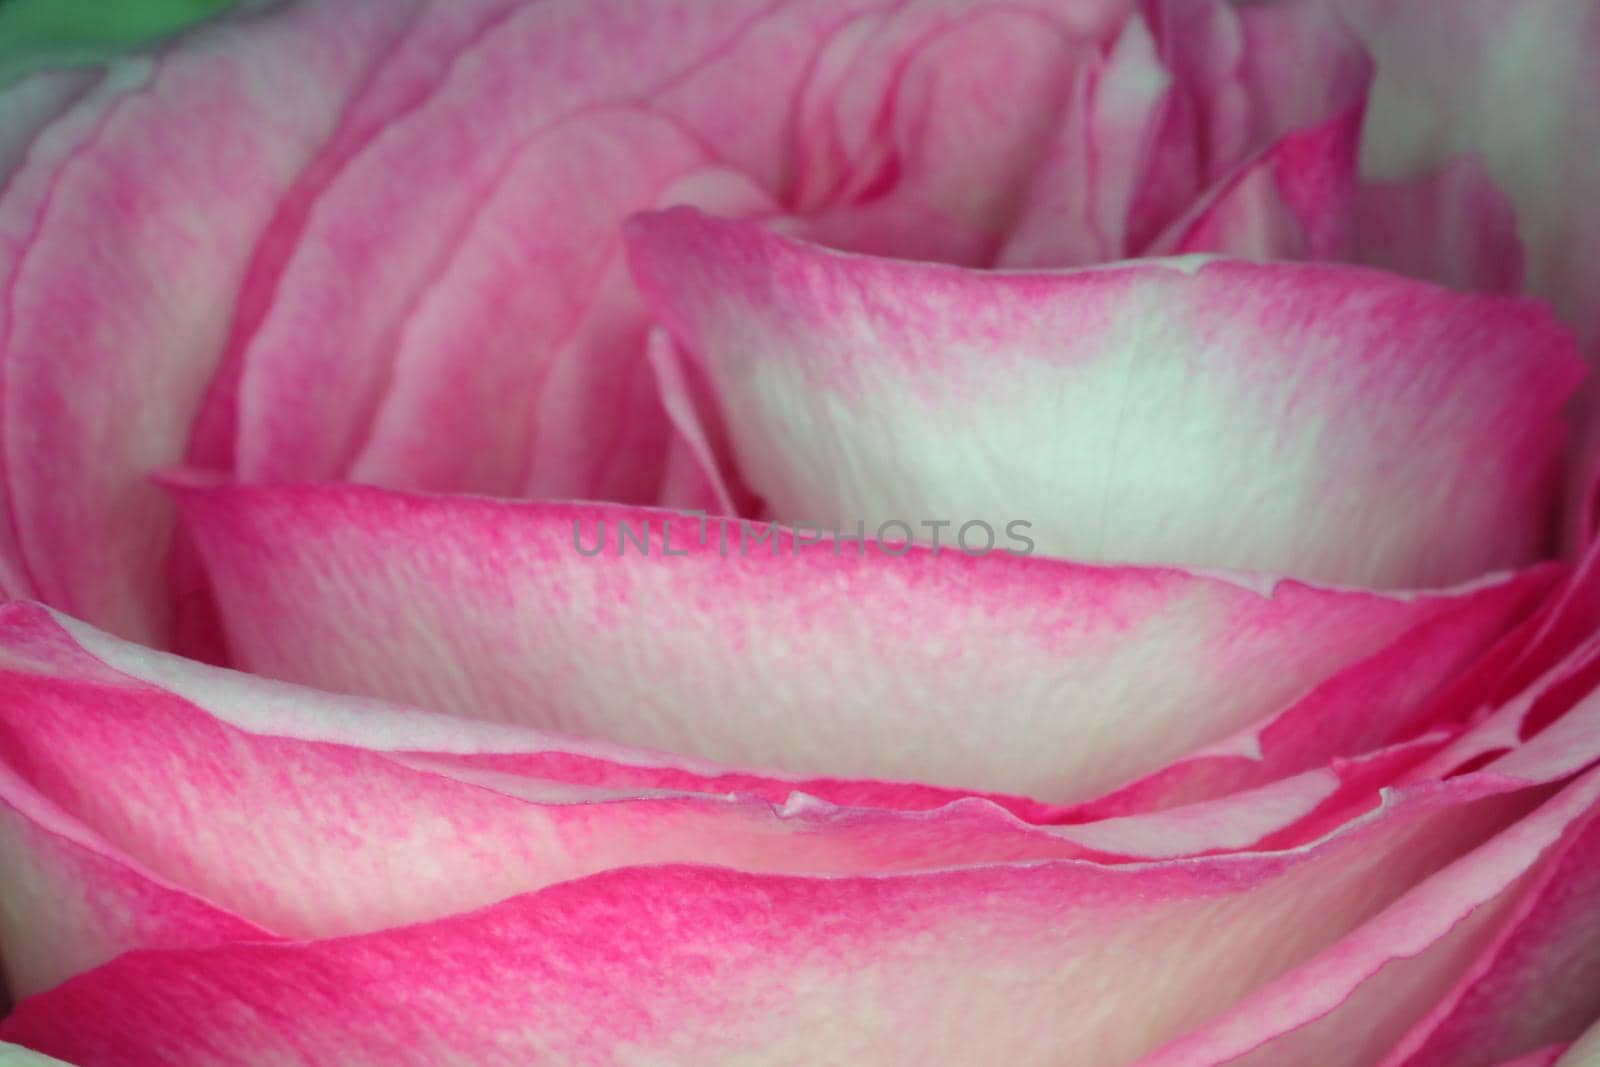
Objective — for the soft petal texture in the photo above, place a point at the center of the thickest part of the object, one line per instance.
(424, 59)
(184, 805)
(1544, 1057)
(122, 244)
(412, 269)
(1526, 674)
(30, 103)
(73, 901)
(902, 177)
(1348, 1004)
(1452, 226)
(1566, 621)
(1502, 1003)
(835, 658)
(1517, 84)
(1585, 1052)
(1291, 202)
(1188, 91)
(439, 300)
(1331, 423)
(440, 305)
(928, 961)
(417, 281)
(1440, 673)
(1080, 194)
(17, 1056)
(1297, 65)
(1347, 830)
(499, 756)
(300, 834)
(705, 478)
(1302, 199)
(424, 41)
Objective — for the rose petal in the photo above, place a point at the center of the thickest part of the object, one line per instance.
(31, 103)
(385, 337)
(1517, 84)
(1438, 673)
(1543, 711)
(1244, 76)
(1349, 875)
(500, 386)
(126, 234)
(1301, 199)
(200, 830)
(1585, 1052)
(1561, 625)
(906, 180)
(1337, 424)
(302, 836)
(884, 122)
(1543, 1057)
(1405, 979)
(1004, 673)
(415, 59)
(1453, 226)
(1514, 83)
(1359, 997)
(1293, 202)
(1539, 979)
(73, 901)
(455, 267)
(17, 1056)
(710, 480)
(25, 108)
(1013, 962)
(476, 752)
(1299, 65)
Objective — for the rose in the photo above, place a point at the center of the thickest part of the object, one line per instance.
(1118, 799)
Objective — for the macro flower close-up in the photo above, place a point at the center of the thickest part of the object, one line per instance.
(838, 532)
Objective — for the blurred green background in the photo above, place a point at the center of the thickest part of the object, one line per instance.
(34, 33)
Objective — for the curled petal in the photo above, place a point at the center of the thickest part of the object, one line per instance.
(1538, 980)
(123, 240)
(17, 1056)
(743, 643)
(74, 901)
(1453, 226)
(1585, 1052)
(1336, 424)
(1021, 955)
(31, 103)
(1515, 84)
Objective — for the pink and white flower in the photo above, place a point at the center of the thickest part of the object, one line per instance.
(330, 333)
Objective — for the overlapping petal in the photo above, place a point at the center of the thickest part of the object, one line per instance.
(17, 1056)
(837, 798)
(1303, 199)
(672, 961)
(418, 305)
(1331, 423)
(406, 314)
(460, 321)
(1585, 1052)
(746, 644)
(74, 901)
(150, 802)
(123, 239)
(31, 103)
(1515, 85)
